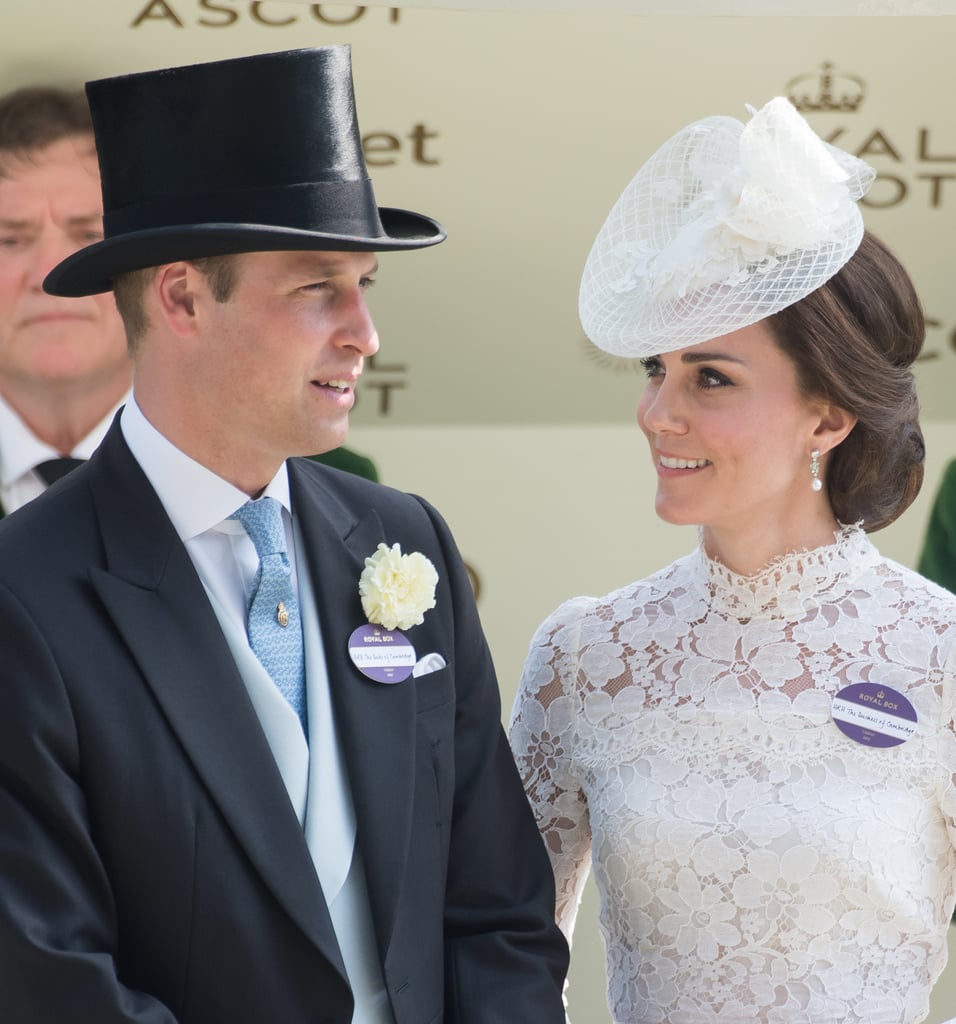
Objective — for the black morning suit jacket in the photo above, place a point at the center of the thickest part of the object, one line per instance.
(152, 869)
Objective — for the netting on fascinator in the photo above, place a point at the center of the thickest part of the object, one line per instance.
(724, 225)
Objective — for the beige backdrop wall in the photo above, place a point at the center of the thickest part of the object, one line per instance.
(518, 131)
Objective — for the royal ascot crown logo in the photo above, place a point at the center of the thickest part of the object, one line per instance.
(914, 163)
(826, 92)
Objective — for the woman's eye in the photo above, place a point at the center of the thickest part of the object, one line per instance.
(652, 367)
(709, 378)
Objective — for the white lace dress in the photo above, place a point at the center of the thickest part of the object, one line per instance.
(754, 862)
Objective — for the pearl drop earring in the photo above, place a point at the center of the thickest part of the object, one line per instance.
(816, 483)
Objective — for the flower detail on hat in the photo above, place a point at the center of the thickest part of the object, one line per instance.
(725, 224)
(787, 192)
(396, 589)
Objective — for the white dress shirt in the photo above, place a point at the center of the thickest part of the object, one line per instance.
(199, 503)
(21, 450)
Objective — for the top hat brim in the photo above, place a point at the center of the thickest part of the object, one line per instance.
(92, 270)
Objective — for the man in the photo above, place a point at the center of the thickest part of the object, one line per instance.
(190, 831)
(63, 363)
(64, 368)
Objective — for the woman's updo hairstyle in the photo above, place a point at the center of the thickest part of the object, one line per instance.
(853, 341)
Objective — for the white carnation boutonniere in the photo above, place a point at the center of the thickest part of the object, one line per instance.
(396, 589)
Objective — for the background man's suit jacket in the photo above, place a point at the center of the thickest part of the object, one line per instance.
(152, 867)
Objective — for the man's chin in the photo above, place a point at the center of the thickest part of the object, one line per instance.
(327, 441)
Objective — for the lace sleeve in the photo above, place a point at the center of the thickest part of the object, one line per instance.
(947, 751)
(541, 732)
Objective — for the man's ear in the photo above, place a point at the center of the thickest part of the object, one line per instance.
(834, 425)
(174, 289)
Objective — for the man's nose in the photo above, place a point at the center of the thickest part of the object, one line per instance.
(361, 331)
(49, 248)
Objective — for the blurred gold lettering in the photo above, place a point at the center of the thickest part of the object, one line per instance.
(231, 16)
(255, 10)
(927, 352)
(346, 20)
(162, 10)
(924, 153)
(376, 367)
(383, 149)
(377, 143)
(385, 389)
(899, 191)
(877, 144)
(418, 134)
(163, 13)
(373, 379)
(936, 188)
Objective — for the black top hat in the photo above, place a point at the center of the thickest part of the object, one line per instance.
(252, 154)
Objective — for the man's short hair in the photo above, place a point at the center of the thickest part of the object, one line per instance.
(128, 289)
(34, 117)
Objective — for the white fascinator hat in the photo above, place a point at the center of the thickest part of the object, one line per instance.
(727, 223)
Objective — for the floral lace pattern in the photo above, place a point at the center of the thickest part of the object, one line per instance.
(753, 862)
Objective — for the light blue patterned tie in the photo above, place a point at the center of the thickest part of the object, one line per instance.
(274, 628)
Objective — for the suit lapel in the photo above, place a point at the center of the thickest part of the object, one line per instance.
(375, 722)
(153, 594)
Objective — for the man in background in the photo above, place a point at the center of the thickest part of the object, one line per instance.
(64, 368)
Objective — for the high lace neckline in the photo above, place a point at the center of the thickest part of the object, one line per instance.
(792, 583)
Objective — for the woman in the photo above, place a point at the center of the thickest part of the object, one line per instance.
(756, 745)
